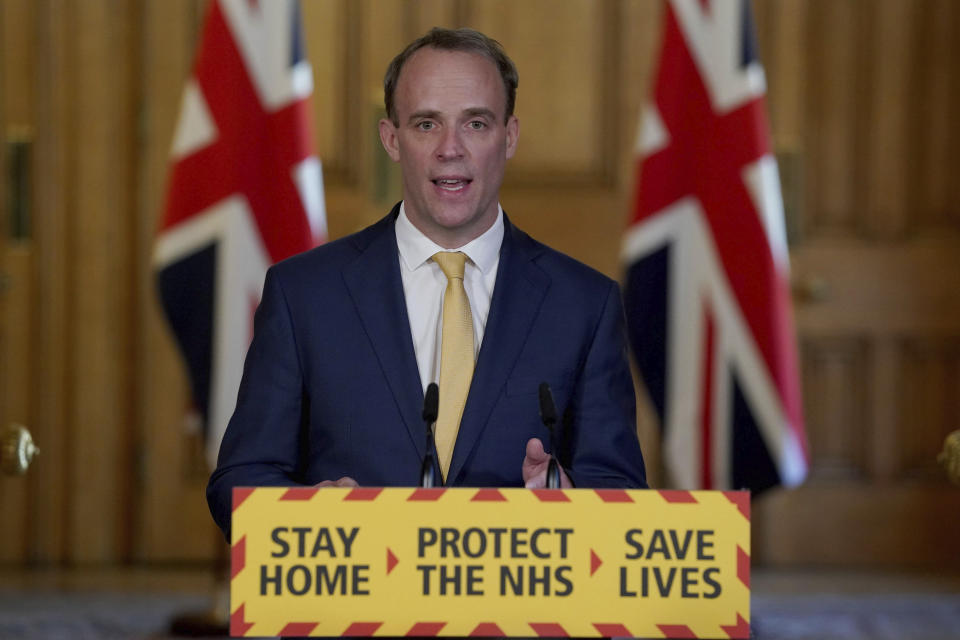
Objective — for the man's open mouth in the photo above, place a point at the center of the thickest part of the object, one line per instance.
(451, 184)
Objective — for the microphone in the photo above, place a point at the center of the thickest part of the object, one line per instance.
(548, 416)
(431, 402)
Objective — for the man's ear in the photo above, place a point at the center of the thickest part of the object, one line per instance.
(388, 138)
(513, 133)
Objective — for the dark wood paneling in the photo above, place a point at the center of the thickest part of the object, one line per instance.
(104, 64)
(835, 381)
(929, 379)
(834, 52)
(867, 526)
(933, 100)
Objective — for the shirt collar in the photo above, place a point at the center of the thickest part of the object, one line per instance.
(416, 249)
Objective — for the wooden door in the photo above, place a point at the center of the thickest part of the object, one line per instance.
(864, 98)
(67, 320)
(16, 276)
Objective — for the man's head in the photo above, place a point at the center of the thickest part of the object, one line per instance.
(452, 131)
(466, 40)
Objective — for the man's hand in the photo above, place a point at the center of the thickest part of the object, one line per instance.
(535, 467)
(345, 481)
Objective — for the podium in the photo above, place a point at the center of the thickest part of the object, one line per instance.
(490, 562)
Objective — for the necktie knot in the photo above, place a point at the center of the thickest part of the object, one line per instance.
(451, 263)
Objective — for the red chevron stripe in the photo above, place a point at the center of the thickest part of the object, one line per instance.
(363, 494)
(739, 630)
(488, 495)
(239, 626)
(299, 493)
(611, 630)
(741, 499)
(426, 629)
(361, 629)
(426, 495)
(677, 497)
(298, 629)
(239, 495)
(549, 629)
(238, 557)
(743, 566)
(487, 630)
(676, 631)
(551, 495)
(613, 495)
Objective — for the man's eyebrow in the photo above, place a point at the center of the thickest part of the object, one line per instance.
(433, 114)
(480, 111)
(424, 113)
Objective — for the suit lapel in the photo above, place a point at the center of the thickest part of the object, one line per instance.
(517, 295)
(374, 283)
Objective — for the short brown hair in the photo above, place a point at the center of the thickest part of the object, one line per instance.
(467, 40)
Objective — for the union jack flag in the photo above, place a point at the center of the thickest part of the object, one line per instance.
(245, 190)
(707, 292)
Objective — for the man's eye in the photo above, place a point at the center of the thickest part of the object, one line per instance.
(425, 125)
(477, 125)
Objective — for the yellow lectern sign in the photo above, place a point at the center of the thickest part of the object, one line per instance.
(490, 562)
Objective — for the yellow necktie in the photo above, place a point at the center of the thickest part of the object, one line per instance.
(456, 356)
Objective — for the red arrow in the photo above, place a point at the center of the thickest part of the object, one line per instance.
(391, 561)
(595, 562)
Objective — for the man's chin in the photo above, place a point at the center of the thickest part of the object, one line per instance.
(457, 226)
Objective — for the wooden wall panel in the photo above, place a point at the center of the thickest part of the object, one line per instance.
(422, 15)
(16, 120)
(929, 379)
(49, 481)
(172, 521)
(326, 25)
(566, 68)
(835, 379)
(834, 53)
(640, 25)
(100, 281)
(893, 289)
(19, 56)
(869, 526)
(782, 35)
(385, 28)
(16, 392)
(885, 106)
(936, 86)
(782, 38)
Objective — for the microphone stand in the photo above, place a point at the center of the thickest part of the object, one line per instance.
(548, 415)
(431, 402)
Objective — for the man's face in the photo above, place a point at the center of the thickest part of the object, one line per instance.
(451, 142)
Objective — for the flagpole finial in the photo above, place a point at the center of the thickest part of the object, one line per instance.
(949, 458)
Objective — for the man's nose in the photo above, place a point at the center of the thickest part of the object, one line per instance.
(450, 145)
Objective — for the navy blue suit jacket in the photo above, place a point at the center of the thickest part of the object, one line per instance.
(331, 387)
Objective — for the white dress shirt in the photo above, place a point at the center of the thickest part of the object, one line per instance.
(424, 284)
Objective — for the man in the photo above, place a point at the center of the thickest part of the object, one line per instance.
(445, 288)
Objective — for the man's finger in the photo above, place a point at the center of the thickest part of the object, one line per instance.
(535, 452)
(537, 481)
(345, 481)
